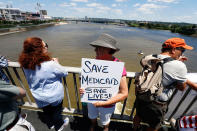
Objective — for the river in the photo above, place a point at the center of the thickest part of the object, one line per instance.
(70, 43)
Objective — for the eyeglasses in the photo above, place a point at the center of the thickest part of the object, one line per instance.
(181, 49)
(46, 45)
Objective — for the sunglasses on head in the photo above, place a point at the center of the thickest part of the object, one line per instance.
(181, 49)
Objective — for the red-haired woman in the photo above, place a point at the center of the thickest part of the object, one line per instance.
(44, 74)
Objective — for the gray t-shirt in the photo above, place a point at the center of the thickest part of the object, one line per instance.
(173, 71)
(8, 106)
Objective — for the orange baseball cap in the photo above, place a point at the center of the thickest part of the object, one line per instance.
(176, 42)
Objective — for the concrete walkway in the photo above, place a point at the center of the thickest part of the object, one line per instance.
(75, 124)
(81, 124)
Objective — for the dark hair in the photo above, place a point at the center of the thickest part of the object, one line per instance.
(32, 53)
(163, 49)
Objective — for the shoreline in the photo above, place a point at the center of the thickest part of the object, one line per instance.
(193, 35)
(11, 32)
(7, 31)
(61, 23)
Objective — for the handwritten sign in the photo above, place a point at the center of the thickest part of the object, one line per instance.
(100, 79)
(192, 77)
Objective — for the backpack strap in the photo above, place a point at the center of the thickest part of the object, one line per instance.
(155, 55)
(168, 59)
(165, 60)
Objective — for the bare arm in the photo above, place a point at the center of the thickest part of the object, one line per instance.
(192, 85)
(183, 58)
(122, 94)
(181, 86)
(22, 93)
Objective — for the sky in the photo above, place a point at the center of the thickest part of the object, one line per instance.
(142, 10)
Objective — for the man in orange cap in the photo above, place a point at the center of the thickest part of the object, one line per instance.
(174, 45)
(174, 75)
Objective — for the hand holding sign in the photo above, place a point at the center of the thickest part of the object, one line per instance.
(81, 91)
(100, 79)
(99, 103)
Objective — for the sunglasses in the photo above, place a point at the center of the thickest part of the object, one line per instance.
(46, 45)
(181, 49)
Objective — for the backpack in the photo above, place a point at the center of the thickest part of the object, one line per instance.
(148, 82)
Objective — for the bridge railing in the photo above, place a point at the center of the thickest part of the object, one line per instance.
(125, 110)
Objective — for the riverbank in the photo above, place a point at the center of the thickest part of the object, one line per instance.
(6, 31)
(61, 23)
(181, 28)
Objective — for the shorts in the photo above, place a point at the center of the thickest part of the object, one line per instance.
(151, 113)
(102, 112)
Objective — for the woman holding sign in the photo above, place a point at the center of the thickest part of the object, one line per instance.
(105, 47)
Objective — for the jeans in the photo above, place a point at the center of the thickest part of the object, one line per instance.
(52, 115)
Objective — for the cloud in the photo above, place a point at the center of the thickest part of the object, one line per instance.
(73, 4)
(101, 10)
(136, 5)
(195, 13)
(10, 2)
(98, 11)
(3, 4)
(99, 7)
(104, 8)
(114, 5)
(166, 1)
(68, 4)
(84, 10)
(120, 0)
(185, 18)
(79, 0)
(42, 5)
(94, 5)
(118, 11)
(149, 8)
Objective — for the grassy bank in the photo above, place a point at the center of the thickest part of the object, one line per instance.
(181, 28)
(13, 27)
(11, 24)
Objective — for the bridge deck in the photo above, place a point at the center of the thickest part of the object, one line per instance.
(76, 123)
(79, 123)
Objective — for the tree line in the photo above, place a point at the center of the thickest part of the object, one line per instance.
(182, 28)
(10, 24)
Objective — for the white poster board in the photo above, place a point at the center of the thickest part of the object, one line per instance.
(192, 77)
(100, 79)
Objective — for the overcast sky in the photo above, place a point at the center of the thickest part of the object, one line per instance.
(149, 10)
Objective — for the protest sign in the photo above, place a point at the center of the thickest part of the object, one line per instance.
(100, 79)
(192, 77)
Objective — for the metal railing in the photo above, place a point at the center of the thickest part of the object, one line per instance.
(126, 112)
